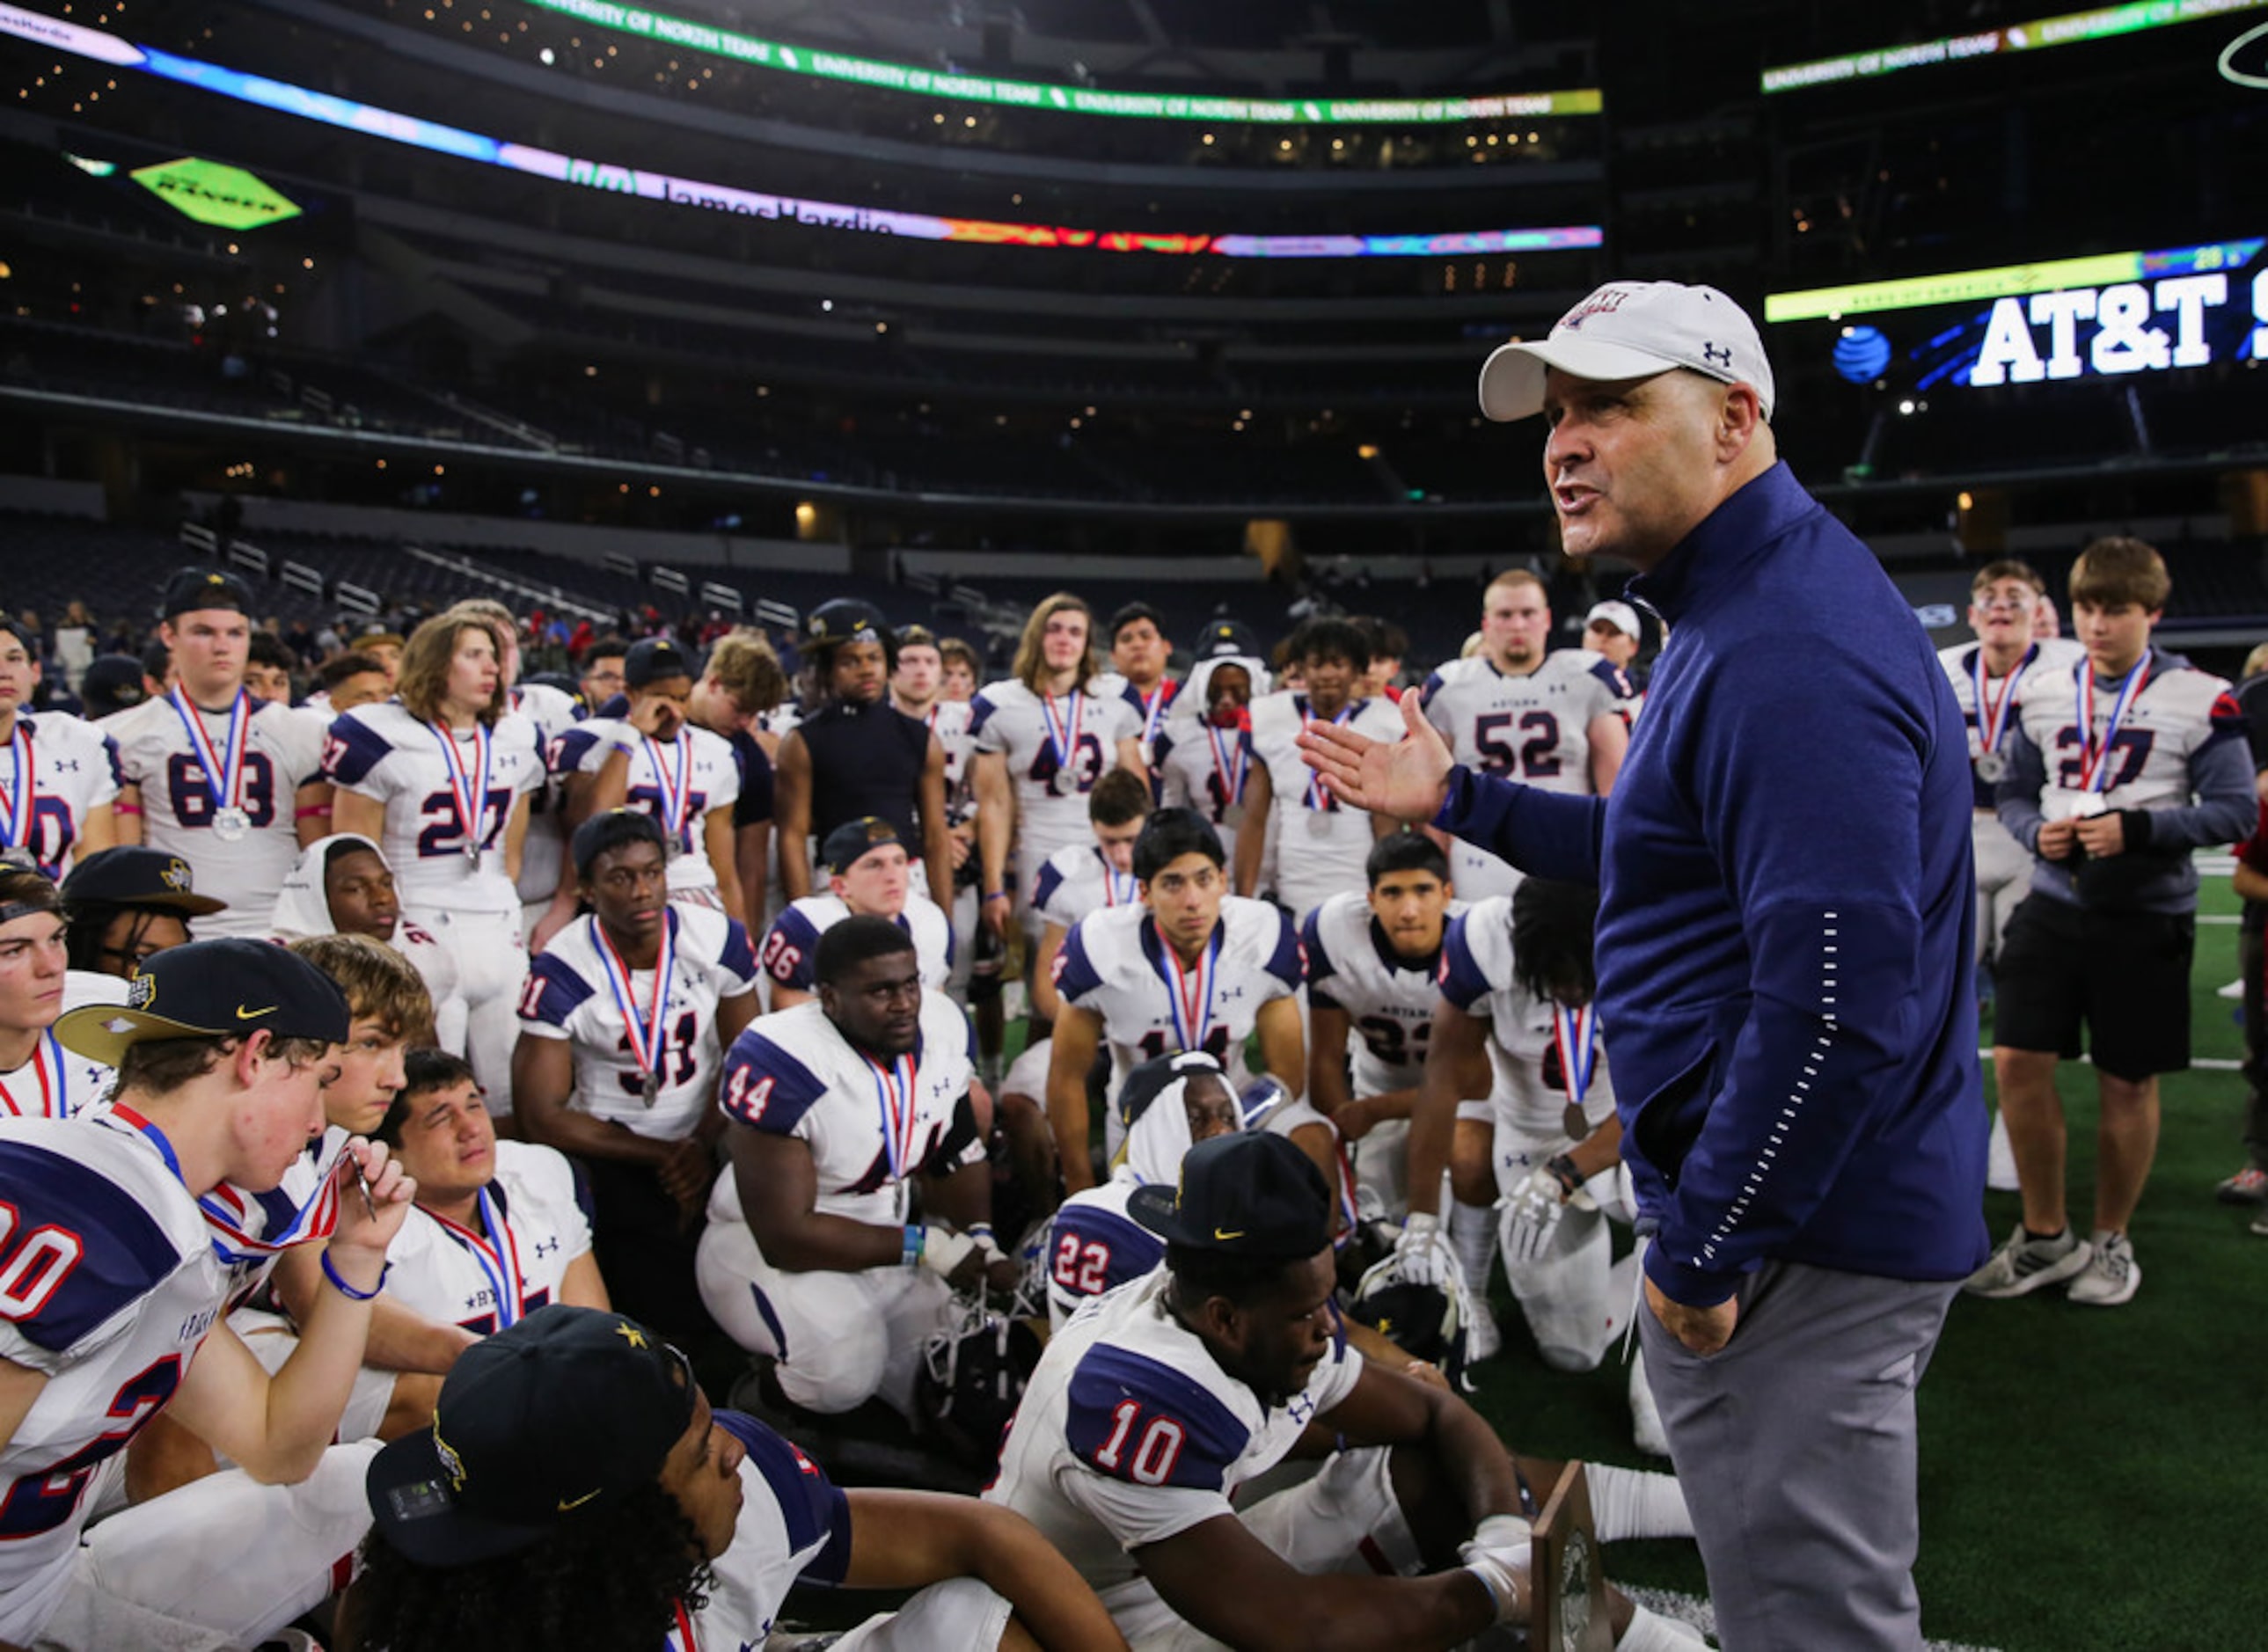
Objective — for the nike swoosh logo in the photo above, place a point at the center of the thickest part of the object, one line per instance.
(1222, 1235)
(242, 1014)
(566, 1504)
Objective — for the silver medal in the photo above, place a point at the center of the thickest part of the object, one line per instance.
(1319, 823)
(230, 825)
(1063, 783)
(2087, 805)
(649, 1087)
(1992, 767)
(473, 857)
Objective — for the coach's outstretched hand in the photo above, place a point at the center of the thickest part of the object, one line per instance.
(1406, 780)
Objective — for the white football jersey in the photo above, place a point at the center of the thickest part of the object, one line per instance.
(302, 909)
(570, 996)
(382, 751)
(2169, 720)
(949, 721)
(1322, 845)
(1207, 769)
(1130, 1433)
(1115, 964)
(1007, 717)
(1095, 1246)
(54, 1083)
(1389, 1002)
(794, 1524)
(869, 1126)
(111, 1288)
(282, 751)
(543, 852)
(657, 779)
(791, 944)
(1534, 728)
(55, 771)
(2048, 657)
(485, 1277)
(1531, 1039)
(1078, 880)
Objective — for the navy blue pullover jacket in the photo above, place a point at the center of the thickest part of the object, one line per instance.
(1787, 912)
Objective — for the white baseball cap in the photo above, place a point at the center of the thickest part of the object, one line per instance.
(1620, 616)
(1632, 329)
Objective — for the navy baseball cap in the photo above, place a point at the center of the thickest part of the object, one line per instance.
(212, 989)
(193, 588)
(1250, 1193)
(112, 683)
(847, 619)
(550, 1419)
(652, 658)
(1226, 639)
(854, 839)
(131, 875)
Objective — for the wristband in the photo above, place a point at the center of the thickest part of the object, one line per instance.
(1563, 1169)
(997, 894)
(348, 1291)
(916, 1235)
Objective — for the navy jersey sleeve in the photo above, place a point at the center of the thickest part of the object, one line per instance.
(1179, 1432)
(764, 1087)
(1286, 963)
(110, 756)
(554, 991)
(84, 1249)
(980, 713)
(737, 955)
(754, 806)
(789, 951)
(352, 750)
(1462, 984)
(1044, 886)
(1320, 967)
(1433, 687)
(1617, 680)
(1108, 1249)
(1075, 975)
(569, 750)
(812, 1508)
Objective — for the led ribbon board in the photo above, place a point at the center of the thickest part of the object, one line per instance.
(688, 35)
(2067, 30)
(76, 41)
(2110, 316)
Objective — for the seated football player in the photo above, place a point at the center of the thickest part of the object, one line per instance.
(1191, 967)
(126, 904)
(222, 1053)
(624, 1027)
(1373, 963)
(1086, 878)
(342, 885)
(39, 1078)
(574, 1475)
(840, 1109)
(868, 875)
(1150, 1407)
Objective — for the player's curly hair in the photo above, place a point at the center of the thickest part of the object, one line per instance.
(611, 1581)
(1552, 927)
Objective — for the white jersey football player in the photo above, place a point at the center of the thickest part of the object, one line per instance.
(1986, 676)
(496, 1231)
(1202, 757)
(1091, 876)
(1374, 961)
(1558, 721)
(88, 1354)
(232, 784)
(39, 1077)
(1043, 737)
(1156, 1403)
(544, 851)
(61, 775)
(1320, 842)
(343, 886)
(440, 779)
(512, 1429)
(837, 1105)
(1190, 968)
(868, 875)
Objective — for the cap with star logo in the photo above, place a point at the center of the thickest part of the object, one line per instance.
(212, 989)
(548, 1421)
(195, 589)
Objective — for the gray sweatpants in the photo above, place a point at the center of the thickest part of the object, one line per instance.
(1795, 1445)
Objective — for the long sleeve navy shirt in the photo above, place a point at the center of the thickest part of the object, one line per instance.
(1787, 912)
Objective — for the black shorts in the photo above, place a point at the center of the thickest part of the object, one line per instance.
(2125, 975)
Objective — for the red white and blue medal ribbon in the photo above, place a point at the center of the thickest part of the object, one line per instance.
(226, 1211)
(47, 1064)
(680, 1638)
(2094, 764)
(1993, 714)
(18, 804)
(1119, 888)
(1229, 758)
(1316, 797)
(224, 769)
(1189, 991)
(677, 795)
(1063, 733)
(497, 1252)
(469, 789)
(1153, 708)
(898, 1103)
(1576, 1032)
(646, 1038)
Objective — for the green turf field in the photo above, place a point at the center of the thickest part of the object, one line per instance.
(2086, 1472)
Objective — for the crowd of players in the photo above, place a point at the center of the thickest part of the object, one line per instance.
(673, 1001)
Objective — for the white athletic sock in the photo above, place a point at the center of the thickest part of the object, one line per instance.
(1651, 1632)
(1636, 1502)
(1472, 1236)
